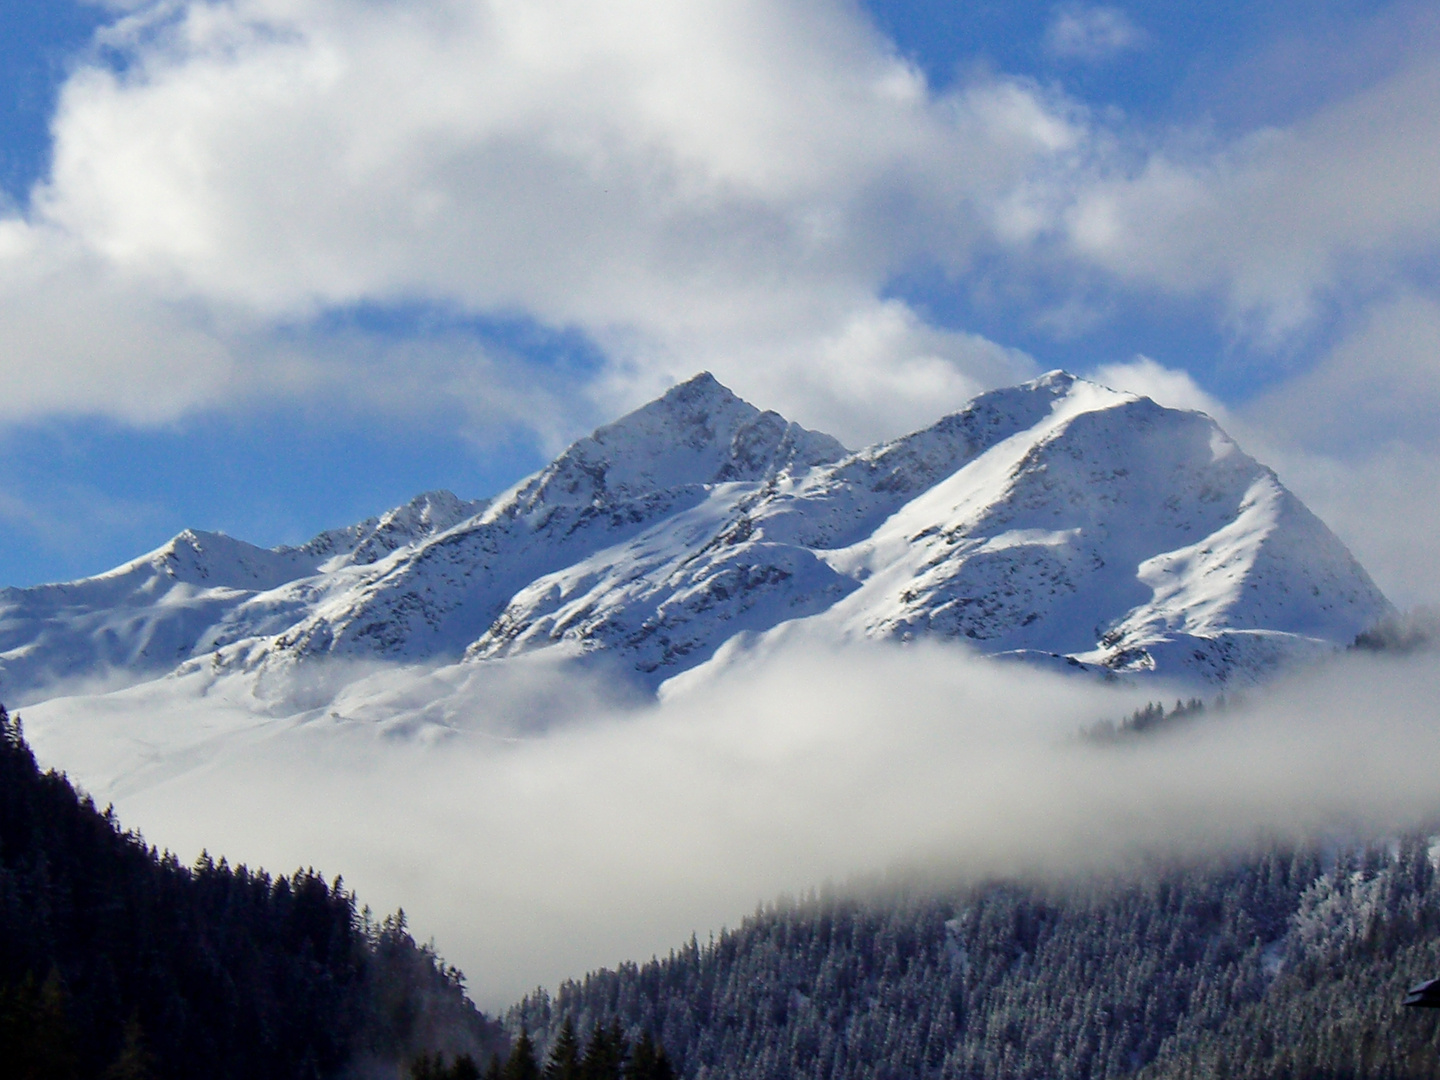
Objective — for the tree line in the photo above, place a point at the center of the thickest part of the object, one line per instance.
(607, 1055)
(119, 963)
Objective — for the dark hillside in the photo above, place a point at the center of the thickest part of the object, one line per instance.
(116, 960)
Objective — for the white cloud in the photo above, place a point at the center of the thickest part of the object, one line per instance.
(693, 186)
(1091, 34)
(535, 853)
(690, 186)
(872, 372)
(886, 353)
(1172, 387)
(1280, 220)
(76, 337)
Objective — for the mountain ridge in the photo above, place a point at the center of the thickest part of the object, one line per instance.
(1057, 521)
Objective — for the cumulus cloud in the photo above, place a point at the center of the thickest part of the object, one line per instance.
(691, 187)
(686, 187)
(1091, 34)
(77, 337)
(878, 372)
(538, 827)
(1278, 221)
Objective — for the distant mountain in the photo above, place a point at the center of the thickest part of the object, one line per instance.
(201, 589)
(1057, 521)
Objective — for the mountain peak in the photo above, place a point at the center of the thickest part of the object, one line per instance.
(698, 432)
(1057, 520)
(370, 540)
(1056, 378)
(698, 387)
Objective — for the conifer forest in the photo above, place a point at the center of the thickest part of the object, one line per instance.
(1292, 963)
(118, 962)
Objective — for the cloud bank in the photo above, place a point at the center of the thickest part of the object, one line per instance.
(539, 828)
(691, 187)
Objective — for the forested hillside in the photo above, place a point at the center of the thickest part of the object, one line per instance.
(1290, 963)
(117, 961)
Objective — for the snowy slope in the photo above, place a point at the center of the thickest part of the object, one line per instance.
(672, 594)
(1056, 521)
(143, 618)
(657, 462)
(1114, 532)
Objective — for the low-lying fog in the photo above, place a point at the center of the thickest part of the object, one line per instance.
(538, 826)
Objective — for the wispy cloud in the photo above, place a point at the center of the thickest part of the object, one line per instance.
(1092, 34)
(1281, 220)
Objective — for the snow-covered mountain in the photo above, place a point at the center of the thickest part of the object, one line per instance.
(1057, 521)
(182, 599)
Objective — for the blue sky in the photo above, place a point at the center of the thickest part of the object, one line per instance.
(269, 269)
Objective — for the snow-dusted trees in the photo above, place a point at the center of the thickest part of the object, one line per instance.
(1280, 964)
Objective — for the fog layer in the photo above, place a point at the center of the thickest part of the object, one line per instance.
(537, 825)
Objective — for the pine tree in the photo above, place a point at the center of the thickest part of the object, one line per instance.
(37, 1040)
(134, 1061)
(521, 1064)
(649, 1061)
(605, 1054)
(564, 1059)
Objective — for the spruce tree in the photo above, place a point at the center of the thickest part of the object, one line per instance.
(564, 1060)
(605, 1054)
(649, 1061)
(37, 1039)
(521, 1064)
(134, 1061)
